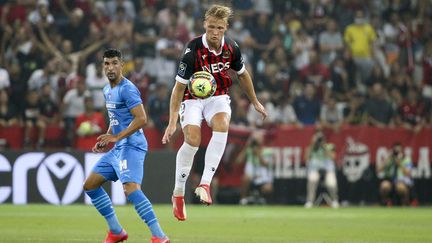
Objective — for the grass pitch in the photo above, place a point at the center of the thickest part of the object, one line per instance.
(79, 223)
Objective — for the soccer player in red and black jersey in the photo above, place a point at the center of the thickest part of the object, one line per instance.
(214, 53)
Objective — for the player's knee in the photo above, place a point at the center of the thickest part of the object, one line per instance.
(131, 187)
(313, 177)
(385, 186)
(193, 140)
(401, 189)
(220, 122)
(88, 186)
(331, 181)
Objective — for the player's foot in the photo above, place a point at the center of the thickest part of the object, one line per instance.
(335, 204)
(155, 239)
(179, 208)
(114, 238)
(308, 204)
(203, 192)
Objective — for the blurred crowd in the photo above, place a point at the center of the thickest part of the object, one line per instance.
(314, 62)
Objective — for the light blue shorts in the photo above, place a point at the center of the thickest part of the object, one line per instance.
(126, 164)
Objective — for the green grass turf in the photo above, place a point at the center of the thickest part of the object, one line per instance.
(79, 223)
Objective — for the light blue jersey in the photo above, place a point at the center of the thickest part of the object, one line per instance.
(126, 160)
(119, 101)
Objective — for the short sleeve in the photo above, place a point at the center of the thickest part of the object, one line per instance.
(238, 62)
(131, 96)
(186, 65)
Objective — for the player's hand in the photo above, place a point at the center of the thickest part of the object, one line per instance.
(260, 108)
(105, 139)
(99, 148)
(169, 131)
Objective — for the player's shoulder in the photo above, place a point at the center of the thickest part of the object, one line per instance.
(230, 42)
(194, 44)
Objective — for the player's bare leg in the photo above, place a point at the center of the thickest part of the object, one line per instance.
(214, 152)
(184, 161)
(102, 202)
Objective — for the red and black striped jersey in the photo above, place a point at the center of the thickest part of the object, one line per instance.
(198, 57)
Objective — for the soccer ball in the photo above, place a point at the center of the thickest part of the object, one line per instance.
(202, 85)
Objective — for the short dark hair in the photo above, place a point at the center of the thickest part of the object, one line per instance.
(110, 53)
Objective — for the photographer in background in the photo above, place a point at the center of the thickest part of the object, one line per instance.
(397, 176)
(257, 183)
(320, 157)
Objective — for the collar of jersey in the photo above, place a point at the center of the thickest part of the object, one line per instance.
(204, 40)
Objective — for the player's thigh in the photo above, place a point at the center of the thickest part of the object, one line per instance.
(191, 113)
(220, 105)
(105, 166)
(130, 167)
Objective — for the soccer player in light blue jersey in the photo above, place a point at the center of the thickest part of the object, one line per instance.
(125, 161)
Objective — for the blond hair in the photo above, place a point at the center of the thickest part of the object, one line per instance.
(219, 12)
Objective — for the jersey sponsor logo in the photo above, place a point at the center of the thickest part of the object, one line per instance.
(182, 69)
(113, 120)
(217, 67)
(110, 106)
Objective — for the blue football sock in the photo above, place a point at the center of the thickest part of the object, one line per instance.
(146, 213)
(102, 202)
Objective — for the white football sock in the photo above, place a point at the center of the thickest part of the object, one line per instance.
(213, 155)
(184, 161)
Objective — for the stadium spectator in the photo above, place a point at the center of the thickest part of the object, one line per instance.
(31, 117)
(112, 7)
(412, 113)
(379, 110)
(397, 179)
(330, 42)
(320, 157)
(331, 116)
(72, 107)
(355, 112)
(427, 70)
(9, 115)
(4, 78)
(167, 50)
(317, 73)
(158, 106)
(145, 33)
(254, 117)
(88, 126)
(95, 80)
(45, 75)
(360, 37)
(307, 106)
(339, 82)
(302, 45)
(49, 111)
(41, 15)
(258, 174)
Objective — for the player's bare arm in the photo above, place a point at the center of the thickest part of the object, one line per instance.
(140, 119)
(176, 98)
(247, 86)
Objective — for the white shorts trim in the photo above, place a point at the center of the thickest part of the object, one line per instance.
(192, 112)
